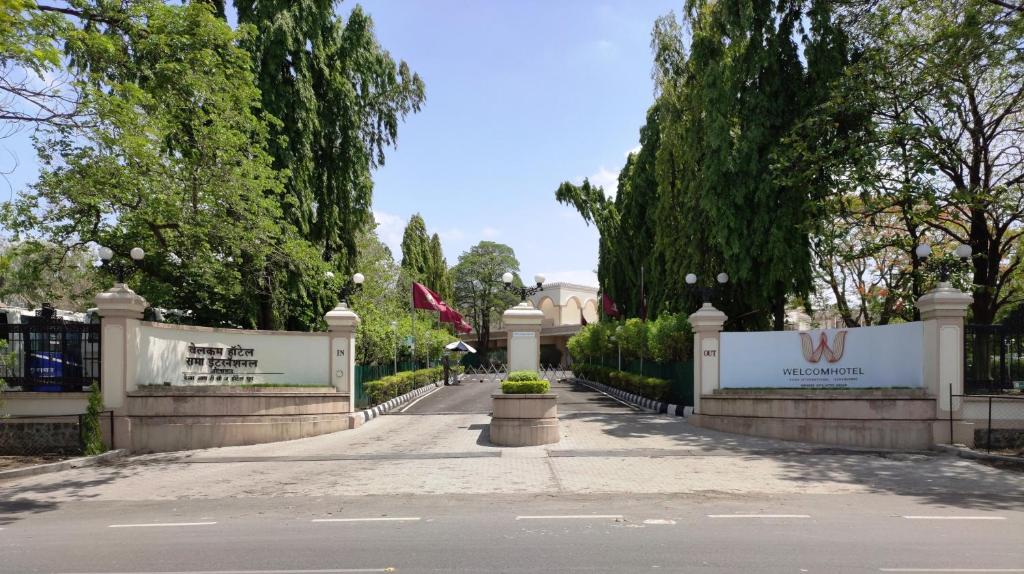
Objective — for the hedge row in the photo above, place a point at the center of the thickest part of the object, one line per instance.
(649, 387)
(387, 388)
(524, 383)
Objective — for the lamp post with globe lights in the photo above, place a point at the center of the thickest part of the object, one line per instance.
(351, 287)
(706, 292)
(523, 291)
(944, 266)
(120, 268)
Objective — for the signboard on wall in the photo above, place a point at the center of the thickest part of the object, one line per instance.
(200, 356)
(888, 356)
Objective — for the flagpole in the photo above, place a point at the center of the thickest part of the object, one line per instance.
(412, 316)
(643, 311)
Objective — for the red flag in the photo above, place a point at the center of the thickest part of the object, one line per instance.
(610, 308)
(449, 315)
(423, 298)
(463, 327)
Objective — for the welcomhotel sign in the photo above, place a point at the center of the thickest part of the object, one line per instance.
(862, 357)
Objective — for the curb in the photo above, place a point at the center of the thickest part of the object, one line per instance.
(964, 452)
(636, 400)
(367, 415)
(64, 464)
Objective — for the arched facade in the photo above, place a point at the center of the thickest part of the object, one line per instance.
(571, 312)
(547, 306)
(590, 311)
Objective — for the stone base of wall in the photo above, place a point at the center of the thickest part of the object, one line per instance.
(35, 438)
(162, 419)
(854, 419)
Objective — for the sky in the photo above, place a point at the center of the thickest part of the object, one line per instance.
(520, 96)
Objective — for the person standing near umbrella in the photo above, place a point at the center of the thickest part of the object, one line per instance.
(447, 368)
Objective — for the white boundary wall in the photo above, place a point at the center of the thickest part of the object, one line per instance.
(186, 355)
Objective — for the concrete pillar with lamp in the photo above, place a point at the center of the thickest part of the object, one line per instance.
(342, 323)
(523, 325)
(707, 324)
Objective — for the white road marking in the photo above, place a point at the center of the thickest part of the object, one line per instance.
(950, 569)
(659, 521)
(418, 399)
(544, 517)
(371, 519)
(161, 524)
(955, 517)
(759, 516)
(329, 571)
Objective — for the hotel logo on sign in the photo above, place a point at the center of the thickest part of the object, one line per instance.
(814, 354)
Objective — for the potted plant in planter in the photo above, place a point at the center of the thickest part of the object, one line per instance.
(525, 413)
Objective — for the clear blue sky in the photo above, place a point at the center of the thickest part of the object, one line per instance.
(520, 97)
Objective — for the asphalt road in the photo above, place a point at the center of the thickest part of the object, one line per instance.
(516, 534)
(472, 394)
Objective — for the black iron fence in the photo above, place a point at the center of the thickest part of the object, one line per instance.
(50, 356)
(993, 359)
(998, 420)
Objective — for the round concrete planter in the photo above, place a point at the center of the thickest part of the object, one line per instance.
(524, 420)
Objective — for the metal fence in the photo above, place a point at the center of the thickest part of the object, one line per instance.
(998, 419)
(368, 373)
(679, 375)
(993, 358)
(50, 356)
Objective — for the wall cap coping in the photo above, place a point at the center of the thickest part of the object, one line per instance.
(944, 301)
(15, 395)
(120, 301)
(522, 314)
(524, 396)
(707, 318)
(343, 317)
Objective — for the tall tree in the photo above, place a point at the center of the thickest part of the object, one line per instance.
(416, 256)
(438, 275)
(174, 161)
(479, 291)
(340, 98)
(745, 87)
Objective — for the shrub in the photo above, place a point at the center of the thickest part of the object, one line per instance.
(649, 387)
(523, 376)
(91, 435)
(387, 388)
(525, 387)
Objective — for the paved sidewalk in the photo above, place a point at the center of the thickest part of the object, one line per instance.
(449, 454)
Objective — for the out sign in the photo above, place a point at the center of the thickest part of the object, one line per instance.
(710, 353)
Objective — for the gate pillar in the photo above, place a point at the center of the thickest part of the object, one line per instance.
(942, 311)
(342, 323)
(707, 325)
(120, 310)
(522, 325)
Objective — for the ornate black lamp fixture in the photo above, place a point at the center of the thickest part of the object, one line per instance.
(706, 292)
(523, 291)
(121, 268)
(945, 266)
(350, 288)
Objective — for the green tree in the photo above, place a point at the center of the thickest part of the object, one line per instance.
(340, 98)
(479, 291)
(416, 255)
(174, 161)
(439, 275)
(35, 273)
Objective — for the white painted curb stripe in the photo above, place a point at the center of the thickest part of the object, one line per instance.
(371, 519)
(553, 516)
(161, 524)
(328, 571)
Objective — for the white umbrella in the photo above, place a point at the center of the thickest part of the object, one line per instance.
(459, 346)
